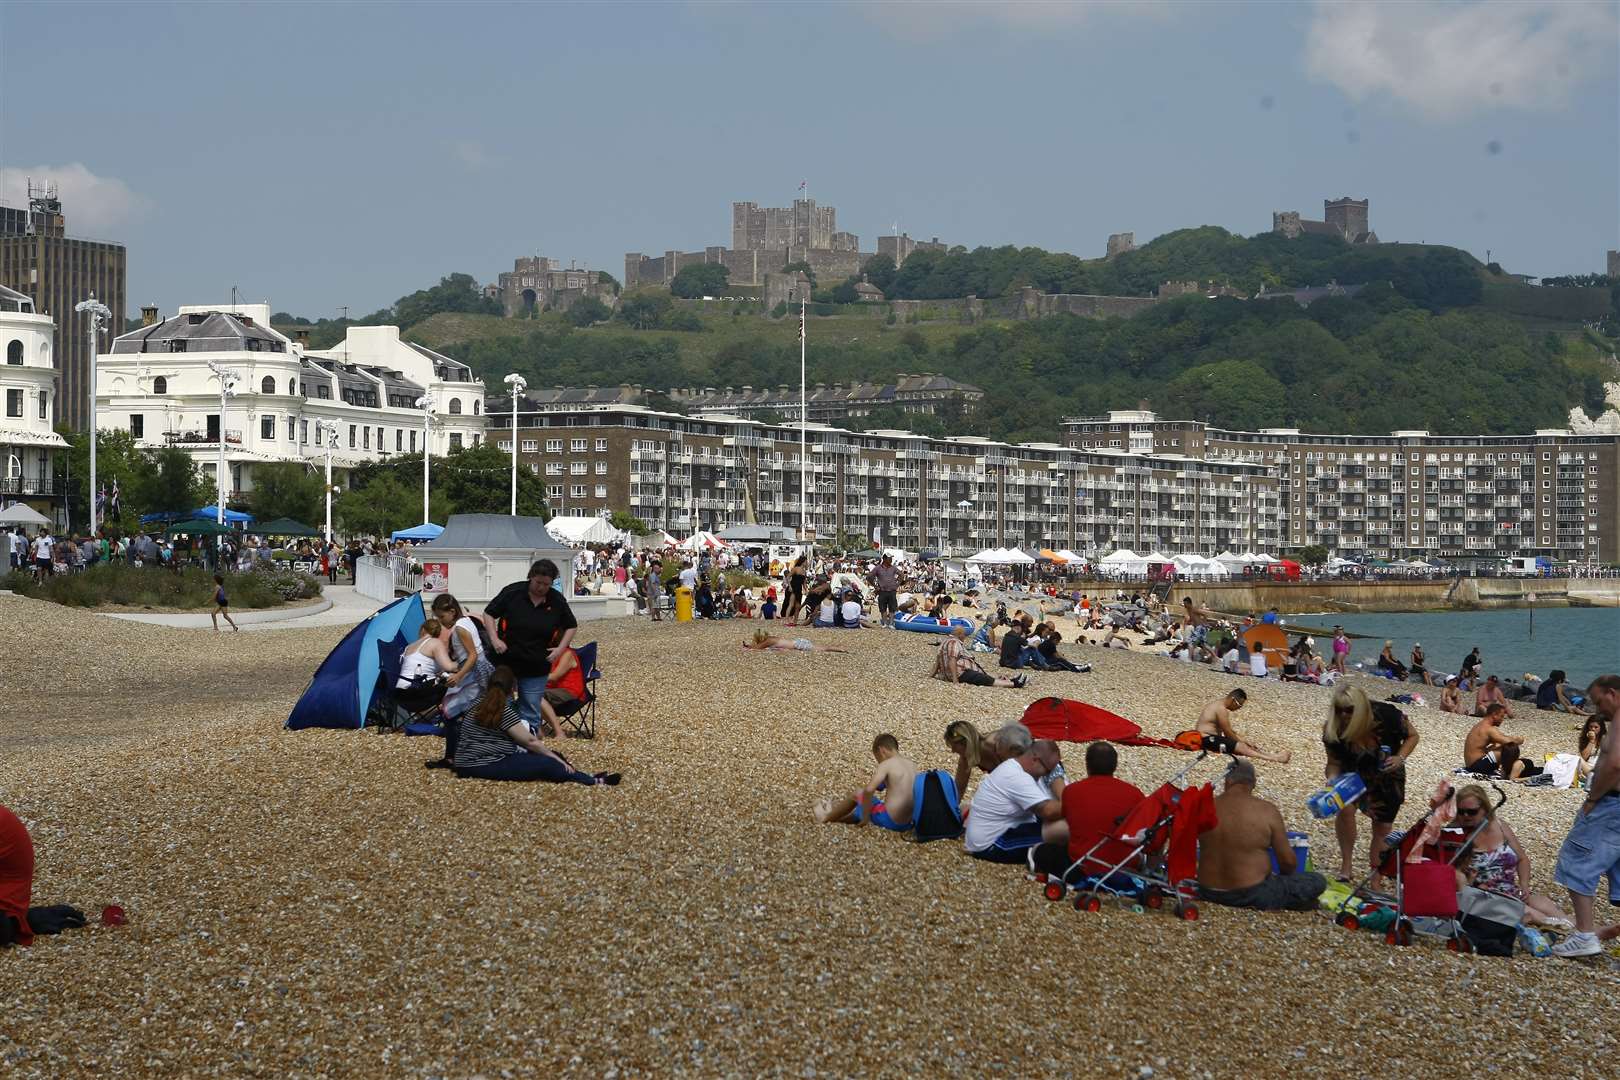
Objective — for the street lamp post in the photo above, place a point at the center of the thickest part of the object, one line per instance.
(96, 313)
(228, 378)
(515, 381)
(425, 403)
(328, 437)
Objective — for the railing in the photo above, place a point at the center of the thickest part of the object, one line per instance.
(23, 485)
(193, 438)
(382, 577)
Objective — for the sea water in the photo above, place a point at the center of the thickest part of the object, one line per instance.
(1584, 642)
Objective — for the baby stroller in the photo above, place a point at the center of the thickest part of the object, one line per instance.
(1425, 898)
(1128, 863)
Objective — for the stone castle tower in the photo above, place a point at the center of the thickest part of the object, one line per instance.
(1614, 264)
(1347, 215)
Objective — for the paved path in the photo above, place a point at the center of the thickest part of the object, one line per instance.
(340, 606)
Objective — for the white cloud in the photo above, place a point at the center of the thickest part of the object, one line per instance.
(918, 21)
(93, 205)
(1448, 59)
(472, 155)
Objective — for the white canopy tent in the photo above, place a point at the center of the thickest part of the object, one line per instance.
(1014, 556)
(988, 555)
(700, 541)
(579, 531)
(1070, 558)
(22, 514)
(1124, 561)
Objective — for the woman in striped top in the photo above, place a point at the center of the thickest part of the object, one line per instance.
(496, 744)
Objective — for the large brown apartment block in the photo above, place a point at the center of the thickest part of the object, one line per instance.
(1408, 494)
(955, 495)
(38, 258)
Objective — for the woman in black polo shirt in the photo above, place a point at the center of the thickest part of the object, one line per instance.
(523, 621)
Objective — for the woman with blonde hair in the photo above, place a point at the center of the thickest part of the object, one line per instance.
(765, 641)
(1373, 740)
(1495, 861)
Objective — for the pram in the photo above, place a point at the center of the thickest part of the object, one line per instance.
(1425, 898)
(1127, 863)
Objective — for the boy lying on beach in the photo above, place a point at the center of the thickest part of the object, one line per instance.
(765, 641)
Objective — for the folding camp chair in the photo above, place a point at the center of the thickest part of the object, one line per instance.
(580, 716)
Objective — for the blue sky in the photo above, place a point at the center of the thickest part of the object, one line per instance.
(322, 155)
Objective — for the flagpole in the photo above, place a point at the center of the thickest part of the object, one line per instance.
(804, 413)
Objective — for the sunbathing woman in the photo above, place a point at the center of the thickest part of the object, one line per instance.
(765, 641)
(1497, 863)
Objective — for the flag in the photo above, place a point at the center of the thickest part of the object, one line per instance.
(802, 184)
(101, 499)
(112, 500)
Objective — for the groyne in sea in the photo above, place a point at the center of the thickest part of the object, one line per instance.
(1444, 594)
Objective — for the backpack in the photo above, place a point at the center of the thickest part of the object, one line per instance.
(936, 811)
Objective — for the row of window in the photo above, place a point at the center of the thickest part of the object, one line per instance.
(14, 354)
(160, 386)
(14, 404)
(577, 491)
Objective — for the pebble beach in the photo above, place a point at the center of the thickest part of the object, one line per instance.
(318, 904)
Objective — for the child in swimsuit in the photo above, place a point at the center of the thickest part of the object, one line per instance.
(222, 604)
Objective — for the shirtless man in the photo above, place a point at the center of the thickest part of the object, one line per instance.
(1490, 693)
(894, 778)
(1234, 858)
(1219, 737)
(1490, 751)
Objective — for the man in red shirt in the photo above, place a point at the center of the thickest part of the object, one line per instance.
(1093, 807)
(19, 922)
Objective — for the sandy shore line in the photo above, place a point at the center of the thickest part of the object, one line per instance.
(317, 903)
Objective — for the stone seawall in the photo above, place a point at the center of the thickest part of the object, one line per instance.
(1294, 597)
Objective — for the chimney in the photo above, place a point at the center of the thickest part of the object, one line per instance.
(300, 336)
(149, 314)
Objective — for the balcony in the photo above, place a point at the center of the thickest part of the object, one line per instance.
(233, 437)
(23, 485)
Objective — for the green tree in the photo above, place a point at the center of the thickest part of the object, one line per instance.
(457, 292)
(609, 279)
(383, 503)
(478, 480)
(643, 311)
(1314, 555)
(699, 280)
(587, 311)
(880, 271)
(625, 521)
(287, 489)
(175, 483)
(1232, 393)
(844, 292)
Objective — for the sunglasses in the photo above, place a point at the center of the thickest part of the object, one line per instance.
(1468, 811)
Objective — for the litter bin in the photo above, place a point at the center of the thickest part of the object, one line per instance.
(683, 604)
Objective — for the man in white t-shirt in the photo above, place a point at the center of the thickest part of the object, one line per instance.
(1004, 822)
(688, 576)
(42, 554)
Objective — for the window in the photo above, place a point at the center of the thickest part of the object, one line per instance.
(601, 446)
(14, 354)
(529, 446)
(553, 468)
(601, 468)
(455, 441)
(455, 406)
(577, 491)
(14, 402)
(553, 446)
(534, 467)
(44, 405)
(177, 345)
(477, 406)
(268, 386)
(577, 445)
(351, 436)
(160, 385)
(323, 391)
(267, 427)
(399, 438)
(292, 429)
(365, 438)
(137, 425)
(413, 440)
(601, 491)
(577, 468)
(303, 432)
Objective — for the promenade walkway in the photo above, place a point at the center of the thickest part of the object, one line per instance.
(340, 605)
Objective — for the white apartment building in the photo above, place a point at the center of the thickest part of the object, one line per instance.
(28, 440)
(161, 383)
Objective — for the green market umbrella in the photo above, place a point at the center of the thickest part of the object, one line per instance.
(199, 527)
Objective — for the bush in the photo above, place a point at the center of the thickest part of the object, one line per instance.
(121, 584)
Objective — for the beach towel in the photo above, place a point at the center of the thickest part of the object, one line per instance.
(1194, 816)
(1562, 768)
(1074, 721)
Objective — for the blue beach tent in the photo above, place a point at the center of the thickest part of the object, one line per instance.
(426, 531)
(339, 695)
